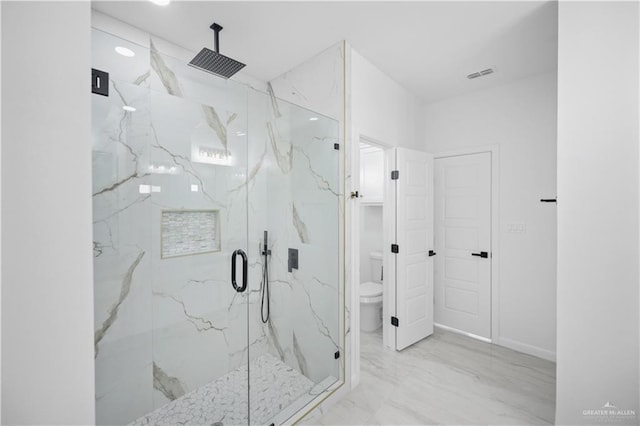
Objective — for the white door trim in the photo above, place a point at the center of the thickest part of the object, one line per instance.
(494, 150)
(354, 256)
(389, 228)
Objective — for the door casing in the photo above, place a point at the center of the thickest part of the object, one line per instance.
(353, 207)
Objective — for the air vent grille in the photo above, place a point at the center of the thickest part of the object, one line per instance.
(480, 73)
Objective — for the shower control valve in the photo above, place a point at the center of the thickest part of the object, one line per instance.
(292, 260)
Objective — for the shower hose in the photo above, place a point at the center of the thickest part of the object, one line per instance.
(265, 309)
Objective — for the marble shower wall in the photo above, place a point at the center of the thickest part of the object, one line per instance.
(122, 247)
(167, 326)
(319, 84)
(302, 180)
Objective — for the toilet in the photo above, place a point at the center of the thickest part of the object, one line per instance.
(371, 296)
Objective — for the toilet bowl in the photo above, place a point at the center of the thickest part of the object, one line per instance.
(370, 306)
(371, 296)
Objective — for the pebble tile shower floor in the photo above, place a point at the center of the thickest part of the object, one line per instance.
(274, 386)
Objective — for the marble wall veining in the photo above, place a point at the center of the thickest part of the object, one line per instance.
(165, 327)
(303, 215)
(320, 84)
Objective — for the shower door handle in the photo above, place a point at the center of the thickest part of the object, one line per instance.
(242, 288)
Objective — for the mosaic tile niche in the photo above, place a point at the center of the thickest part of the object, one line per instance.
(187, 232)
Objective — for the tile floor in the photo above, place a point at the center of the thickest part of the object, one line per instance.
(447, 379)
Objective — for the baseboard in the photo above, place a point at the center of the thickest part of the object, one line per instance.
(507, 343)
(525, 348)
(464, 333)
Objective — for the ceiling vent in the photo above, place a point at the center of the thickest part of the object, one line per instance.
(480, 73)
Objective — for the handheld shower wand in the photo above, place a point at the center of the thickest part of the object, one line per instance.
(265, 310)
(264, 241)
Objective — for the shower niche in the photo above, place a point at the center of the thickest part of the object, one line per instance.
(189, 232)
(189, 168)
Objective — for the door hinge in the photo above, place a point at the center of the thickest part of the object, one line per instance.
(336, 146)
(355, 194)
(395, 175)
(394, 248)
(395, 322)
(432, 253)
(336, 355)
(99, 82)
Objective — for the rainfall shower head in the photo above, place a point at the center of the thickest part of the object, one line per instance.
(213, 62)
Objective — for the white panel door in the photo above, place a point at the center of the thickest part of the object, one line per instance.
(462, 238)
(414, 236)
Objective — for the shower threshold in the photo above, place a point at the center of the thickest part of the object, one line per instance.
(274, 387)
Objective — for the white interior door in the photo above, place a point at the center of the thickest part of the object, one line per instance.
(462, 239)
(414, 237)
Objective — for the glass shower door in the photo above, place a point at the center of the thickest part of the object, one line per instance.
(294, 315)
(170, 211)
(200, 275)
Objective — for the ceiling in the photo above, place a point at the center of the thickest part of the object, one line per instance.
(427, 47)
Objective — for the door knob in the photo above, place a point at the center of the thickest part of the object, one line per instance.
(482, 254)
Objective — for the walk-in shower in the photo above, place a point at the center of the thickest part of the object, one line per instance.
(189, 170)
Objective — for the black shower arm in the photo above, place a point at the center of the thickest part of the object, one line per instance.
(216, 31)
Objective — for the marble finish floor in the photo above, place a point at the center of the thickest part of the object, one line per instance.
(447, 379)
(274, 386)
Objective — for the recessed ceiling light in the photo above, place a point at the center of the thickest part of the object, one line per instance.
(128, 108)
(313, 119)
(161, 2)
(125, 52)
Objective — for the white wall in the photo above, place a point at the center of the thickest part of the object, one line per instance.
(0, 216)
(47, 300)
(598, 211)
(520, 117)
(382, 109)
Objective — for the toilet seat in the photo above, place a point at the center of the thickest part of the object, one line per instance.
(370, 292)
